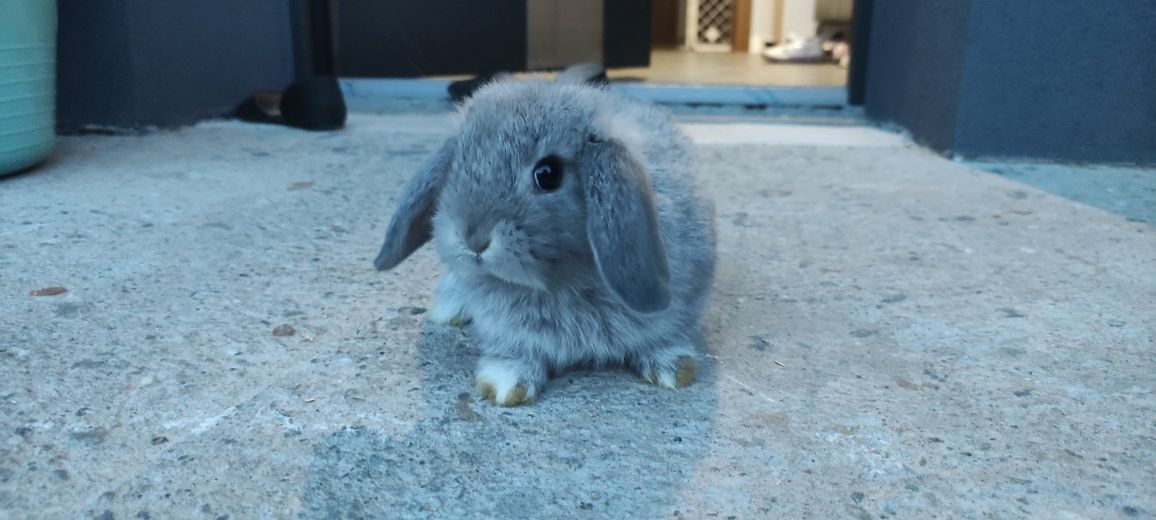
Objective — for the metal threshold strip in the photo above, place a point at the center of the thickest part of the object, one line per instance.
(387, 93)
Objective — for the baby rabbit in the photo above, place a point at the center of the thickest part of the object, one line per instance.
(569, 222)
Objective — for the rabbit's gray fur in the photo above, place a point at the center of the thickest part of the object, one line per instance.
(574, 277)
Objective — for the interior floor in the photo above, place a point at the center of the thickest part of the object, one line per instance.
(720, 68)
(727, 68)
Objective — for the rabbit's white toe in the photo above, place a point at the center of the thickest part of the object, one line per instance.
(675, 375)
(505, 382)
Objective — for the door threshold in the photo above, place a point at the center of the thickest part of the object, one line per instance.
(419, 94)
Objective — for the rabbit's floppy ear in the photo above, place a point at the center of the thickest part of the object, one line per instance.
(584, 73)
(622, 226)
(411, 225)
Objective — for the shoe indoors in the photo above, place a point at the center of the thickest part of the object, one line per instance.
(796, 49)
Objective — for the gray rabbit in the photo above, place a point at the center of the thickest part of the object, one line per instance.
(573, 234)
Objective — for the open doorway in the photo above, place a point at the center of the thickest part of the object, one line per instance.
(758, 53)
(787, 43)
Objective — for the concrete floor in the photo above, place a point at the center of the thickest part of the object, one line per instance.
(892, 335)
(1130, 192)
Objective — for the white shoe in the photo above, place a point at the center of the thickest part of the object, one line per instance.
(796, 49)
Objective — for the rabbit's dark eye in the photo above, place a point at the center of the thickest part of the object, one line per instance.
(548, 173)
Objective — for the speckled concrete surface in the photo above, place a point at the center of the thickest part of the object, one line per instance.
(891, 335)
(1130, 192)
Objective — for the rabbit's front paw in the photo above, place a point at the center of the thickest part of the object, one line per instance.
(453, 319)
(676, 373)
(449, 305)
(506, 383)
(446, 311)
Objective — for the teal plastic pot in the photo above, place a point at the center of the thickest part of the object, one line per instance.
(27, 82)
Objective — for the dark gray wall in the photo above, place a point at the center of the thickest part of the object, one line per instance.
(94, 84)
(406, 38)
(915, 66)
(133, 63)
(130, 63)
(1064, 79)
(1067, 80)
(626, 33)
(429, 37)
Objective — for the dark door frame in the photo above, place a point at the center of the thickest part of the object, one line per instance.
(860, 41)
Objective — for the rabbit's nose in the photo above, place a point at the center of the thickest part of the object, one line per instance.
(480, 247)
(478, 242)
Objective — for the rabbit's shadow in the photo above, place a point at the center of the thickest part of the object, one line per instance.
(597, 442)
